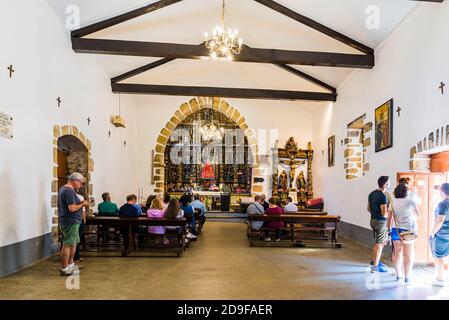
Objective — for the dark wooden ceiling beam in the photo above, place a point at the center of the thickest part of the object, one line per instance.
(285, 67)
(187, 51)
(129, 88)
(82, 32)
(316, 25)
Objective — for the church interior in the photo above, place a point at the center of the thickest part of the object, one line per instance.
(221, 107)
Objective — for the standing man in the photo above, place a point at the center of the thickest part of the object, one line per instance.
(70, 213)
(378, 206)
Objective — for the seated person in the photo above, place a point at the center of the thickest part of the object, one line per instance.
(197, 204)
(274, 210)
(107, 207)
(147, 205)
(256, 208)
(166, 201)
(184, 202)
(138, 207)
(290, 206)
(128, 210)
(173, 211)
(156, 211)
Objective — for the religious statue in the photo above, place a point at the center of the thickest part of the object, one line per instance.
(283, 181)
(208, 171)
(302, 187)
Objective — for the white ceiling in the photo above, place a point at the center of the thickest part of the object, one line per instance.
(259, 26)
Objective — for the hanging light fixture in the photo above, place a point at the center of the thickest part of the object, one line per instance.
(223, 44)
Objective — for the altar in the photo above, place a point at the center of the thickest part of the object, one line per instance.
(219, 201)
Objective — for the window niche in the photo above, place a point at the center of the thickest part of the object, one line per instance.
(356, 144)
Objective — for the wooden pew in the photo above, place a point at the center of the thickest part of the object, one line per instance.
(296, 227)
(176, 245)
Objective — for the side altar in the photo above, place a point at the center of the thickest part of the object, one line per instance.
(292, 173)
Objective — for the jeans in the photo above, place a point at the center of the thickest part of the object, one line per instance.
(77, 252)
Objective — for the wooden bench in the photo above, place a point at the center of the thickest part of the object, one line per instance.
(151, 243)
(299, 230)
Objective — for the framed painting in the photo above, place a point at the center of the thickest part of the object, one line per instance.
(384, 126)
(331, 151)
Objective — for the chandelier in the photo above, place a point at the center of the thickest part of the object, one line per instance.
(224, 43)
(210, 130)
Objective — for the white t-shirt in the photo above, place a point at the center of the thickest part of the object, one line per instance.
(404, 211)
(82, 200)
(291, 207)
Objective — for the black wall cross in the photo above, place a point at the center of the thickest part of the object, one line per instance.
(88, 121)
(11, 70)
(441, 87)
(59, 101)
(109, 133)
(398, 110)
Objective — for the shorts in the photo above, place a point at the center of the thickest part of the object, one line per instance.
(439, 247)
(395, 234)
(380, 230)
(70, 234)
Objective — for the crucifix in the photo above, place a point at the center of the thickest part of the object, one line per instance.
(109, 133)
(441, 87)
(59, 101)
(88, 121)
(124, 144)
(11, 70)
(399, 111)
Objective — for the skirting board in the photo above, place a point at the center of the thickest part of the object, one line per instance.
(23, 254)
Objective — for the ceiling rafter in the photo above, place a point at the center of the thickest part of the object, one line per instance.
(170, 52)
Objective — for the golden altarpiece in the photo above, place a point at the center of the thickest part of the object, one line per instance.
(292, 173)
(214, 177)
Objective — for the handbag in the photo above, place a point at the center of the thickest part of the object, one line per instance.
(405, 236)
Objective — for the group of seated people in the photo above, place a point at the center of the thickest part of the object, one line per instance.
(272, 207)
(156, 207)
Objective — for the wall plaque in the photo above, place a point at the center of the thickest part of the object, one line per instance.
(5, 126)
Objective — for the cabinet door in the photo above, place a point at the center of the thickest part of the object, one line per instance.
(421, 187)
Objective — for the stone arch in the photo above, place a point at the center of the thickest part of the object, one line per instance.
(436, 141)
(59, 132)
(185, 110)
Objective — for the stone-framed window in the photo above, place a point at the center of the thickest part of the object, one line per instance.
(356, 143)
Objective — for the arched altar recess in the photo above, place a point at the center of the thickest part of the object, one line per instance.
(186, 110)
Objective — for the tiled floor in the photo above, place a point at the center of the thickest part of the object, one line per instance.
(221, 265)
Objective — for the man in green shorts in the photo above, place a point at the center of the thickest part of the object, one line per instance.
(70, 212)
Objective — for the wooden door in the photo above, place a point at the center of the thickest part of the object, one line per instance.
(62, 169)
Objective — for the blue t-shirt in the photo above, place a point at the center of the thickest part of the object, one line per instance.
(443, 210)
(138, 207)
(67, 197)
(188, 210)
(128, 211)
(376, 199)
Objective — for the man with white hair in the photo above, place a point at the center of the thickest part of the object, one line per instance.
(70, 213)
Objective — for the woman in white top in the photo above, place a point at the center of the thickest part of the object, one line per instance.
(404, 215)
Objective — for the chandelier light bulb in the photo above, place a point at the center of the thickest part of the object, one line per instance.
(224, 42)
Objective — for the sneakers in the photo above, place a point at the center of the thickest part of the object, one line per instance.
(379, 268)
(277, 240)
(191, 236)
(66, 272)
(438, 283)
(267, 239)
(380, 264)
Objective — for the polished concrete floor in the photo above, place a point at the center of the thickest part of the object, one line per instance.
(221, 265)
